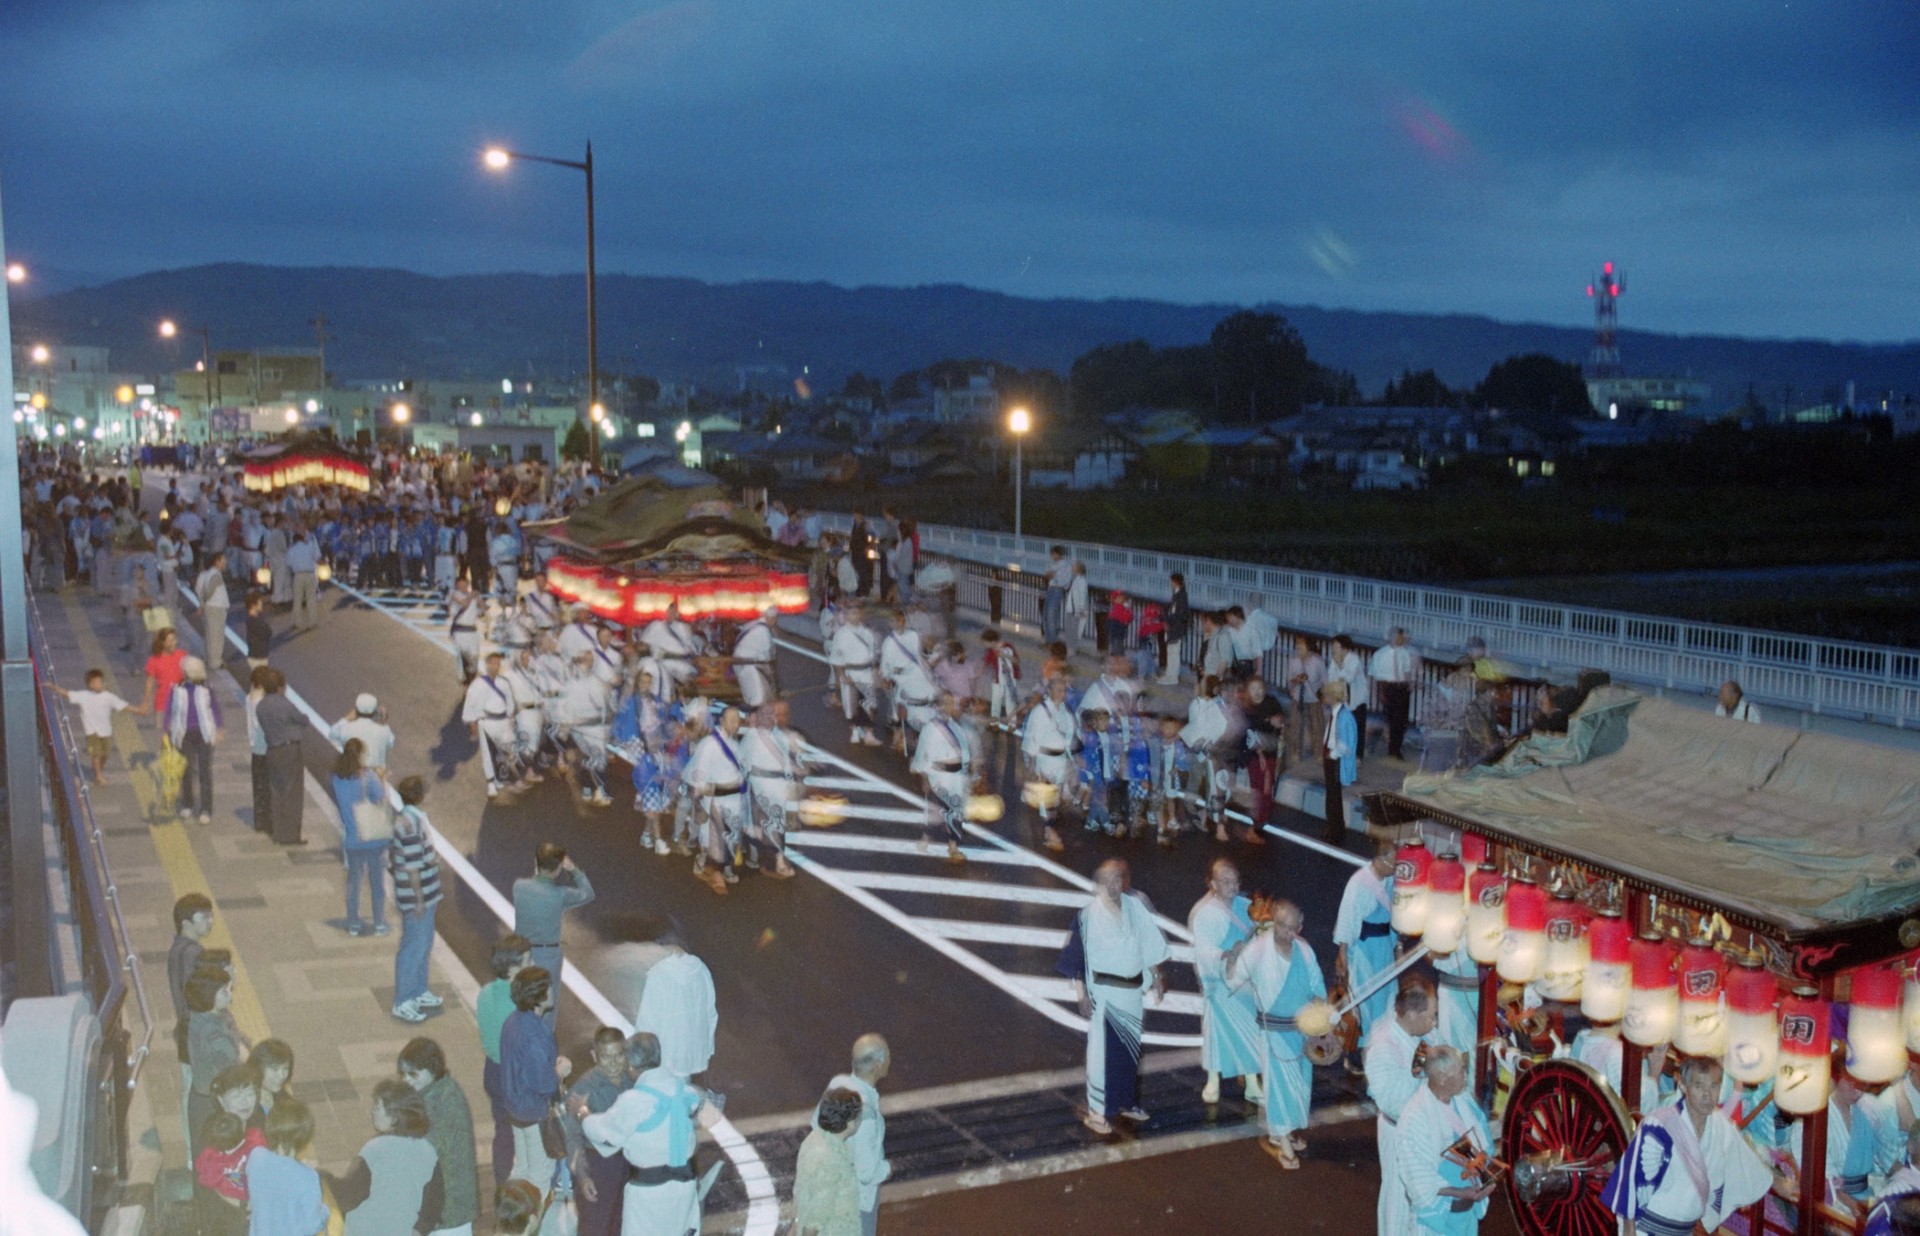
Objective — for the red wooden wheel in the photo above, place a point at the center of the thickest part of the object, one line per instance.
(1564, 1131)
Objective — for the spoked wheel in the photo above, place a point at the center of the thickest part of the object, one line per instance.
(1564, 1132)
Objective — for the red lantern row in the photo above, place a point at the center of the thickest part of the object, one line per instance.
(306, 468)
(634, 600)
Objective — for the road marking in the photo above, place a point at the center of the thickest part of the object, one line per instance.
(938, 886)
(816, 839)
(1056, 988)
(763, 1202)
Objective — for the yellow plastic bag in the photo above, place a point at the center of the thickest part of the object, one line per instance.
(171, 766)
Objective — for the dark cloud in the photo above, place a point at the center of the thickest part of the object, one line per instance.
(1752, 167)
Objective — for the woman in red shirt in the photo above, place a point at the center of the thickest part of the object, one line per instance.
(164, 670)
(1119, 618)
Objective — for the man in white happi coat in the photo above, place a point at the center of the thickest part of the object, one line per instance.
(677, 1005)
(578, 636)
(902, 665)
(944, 757)
(653, 1126)
(1894, 1114)
(1363, 931)
(1047, 746)
(753, 659)
(503, 555)
(716, 776)
(609, 660)
(1229, 1028)
(464, 611)
(1114, 692)
(1285, 976)
(1209, 735)
(776, 771)
(1391, 1083)
(541, 607)
(674, 645)
(1113, 958)
(1444, 1196)
(583, 713)
(1687, 1164)
(853, 654)
(488, 712)
(530, 707)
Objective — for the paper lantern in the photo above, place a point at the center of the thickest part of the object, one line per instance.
(1040, 795)
(1486, 915)
(1876, 1042)
(985, 808)
(1805, 1074)
(1753, 1032)
(1446, 906)
(263, 576)
(1523, 945)
(323, 572)
(1566, 960)
(1603, 995)
(1411, 867)
(502, 507)
(1702, 1026)
(1653, 1001)
(1314, 1019)
(1911, 1013)
(1473, 851)
(822, 810)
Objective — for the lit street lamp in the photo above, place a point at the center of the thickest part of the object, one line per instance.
(16, 273)
(498, 159)
(1019, 421)
(169, 329)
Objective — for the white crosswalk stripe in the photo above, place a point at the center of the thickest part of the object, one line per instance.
(1008, 927)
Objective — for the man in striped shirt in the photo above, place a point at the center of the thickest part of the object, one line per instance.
(416, 894)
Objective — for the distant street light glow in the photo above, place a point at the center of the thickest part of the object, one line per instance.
(293, 416)
(402, 414)
(496, 158)
(79, 422)
(313, 405)
(597, 412)
(16, 273)
(506, 386)
(477, 420)
(40, 354)
(1019, 420)
(168, 328)
(124, 394)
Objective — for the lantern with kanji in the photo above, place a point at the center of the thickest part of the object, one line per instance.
(1566, 960)
(1411, 867)
(1753, 1032)
(1702, 1026)
(1523, 945)
(1446, 905)
(1603, 996)
(1805, 1073)
(1486, 915)
(1653, 1002)
(1876, 1042)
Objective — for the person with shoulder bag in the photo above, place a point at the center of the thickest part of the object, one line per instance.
(366, 828)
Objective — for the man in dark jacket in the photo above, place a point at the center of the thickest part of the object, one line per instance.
(1179, 622)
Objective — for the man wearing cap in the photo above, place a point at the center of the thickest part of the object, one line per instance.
(369, 727)
(488, 712)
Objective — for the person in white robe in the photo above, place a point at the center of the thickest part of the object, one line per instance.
(1898, 1201)
(1459, 979)
(653, 1125)
(1687, 1164)
(852, 653)
(1285, 976)
(1363, 930)
(677, 1006)
(776, 771)
(1229, 1030)
(578, 636)
(583, 709)
(488, 713)
(1115, 692)
(1046, 744)
(1391, 1084)
(902, 664)
(609, 662)
(944, 758)
(716, 777)
(1894, 1111)
(463, 627)
(1209, 735)
(674, 645)
(753, 660)
(529, 715)
(1440, 1126)
(1113, 957)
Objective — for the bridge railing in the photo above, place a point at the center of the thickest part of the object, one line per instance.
(1873, 683)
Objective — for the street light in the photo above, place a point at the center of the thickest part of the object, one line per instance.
(402, 414)
(1019, 421)
(170, 329)
(40, 354)
(498, 158)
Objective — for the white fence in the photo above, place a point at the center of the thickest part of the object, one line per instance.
(1873, 683)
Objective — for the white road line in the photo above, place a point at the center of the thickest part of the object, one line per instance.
(1052, 987)
(1053, 939)
(817, 839)
(960, 956)
(887, 881)
(763, 1200)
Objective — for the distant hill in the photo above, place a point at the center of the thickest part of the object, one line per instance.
(394, 323)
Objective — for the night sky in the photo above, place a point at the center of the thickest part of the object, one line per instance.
(1754, 168)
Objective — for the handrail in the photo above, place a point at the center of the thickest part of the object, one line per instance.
(1876, 683)
(103, 895)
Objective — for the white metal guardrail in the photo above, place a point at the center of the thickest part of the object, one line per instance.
(1873, 683)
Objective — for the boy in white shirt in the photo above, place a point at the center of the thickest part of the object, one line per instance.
(97, 706)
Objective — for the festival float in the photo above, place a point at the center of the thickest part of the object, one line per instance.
(307, 461)
(1741, 892)
(673, 540)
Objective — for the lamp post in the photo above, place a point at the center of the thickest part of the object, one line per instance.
(498, 158)
(170, 329)
(1019, 421)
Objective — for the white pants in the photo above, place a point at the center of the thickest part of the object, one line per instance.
(496, 749)
(671, 1209)
(530, 1160)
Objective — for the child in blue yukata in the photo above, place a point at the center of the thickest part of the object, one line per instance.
(1172, 765)
(1137, 760)
(1093, 771)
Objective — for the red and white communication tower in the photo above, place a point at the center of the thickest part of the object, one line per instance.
(1604, 360)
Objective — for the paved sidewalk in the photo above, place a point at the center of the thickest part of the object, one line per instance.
(300, 977)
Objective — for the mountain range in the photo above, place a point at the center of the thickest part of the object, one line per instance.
(386, 323)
